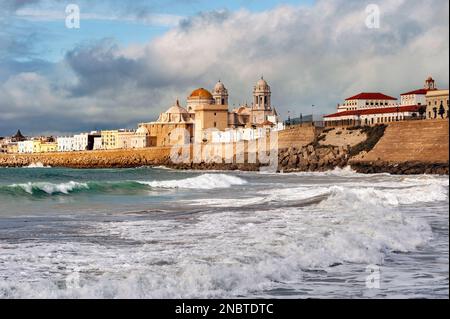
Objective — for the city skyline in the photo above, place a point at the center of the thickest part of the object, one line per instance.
(87, 79)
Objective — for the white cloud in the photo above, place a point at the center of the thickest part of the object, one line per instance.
(310, 55)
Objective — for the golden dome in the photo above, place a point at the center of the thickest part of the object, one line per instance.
(202, 94)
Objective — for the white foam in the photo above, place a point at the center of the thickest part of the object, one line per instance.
(238, 253)
(205, 181)
(51, 188)
(227, 254)
(37, 165)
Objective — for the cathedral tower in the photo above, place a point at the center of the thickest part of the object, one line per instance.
(220, 94)
(261, 95)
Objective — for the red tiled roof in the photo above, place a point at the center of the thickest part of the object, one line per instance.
(407, 108)
(371, 96)
(418, 92)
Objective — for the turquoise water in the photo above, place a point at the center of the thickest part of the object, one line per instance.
(159, 233)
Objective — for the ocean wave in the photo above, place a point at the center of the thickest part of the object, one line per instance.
(227, 254)
(409, 191)
(48, 188)
(37, 165)
(205, 181)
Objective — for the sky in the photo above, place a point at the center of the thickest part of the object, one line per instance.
(131, 60)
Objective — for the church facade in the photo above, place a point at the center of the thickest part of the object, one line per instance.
(207, 112)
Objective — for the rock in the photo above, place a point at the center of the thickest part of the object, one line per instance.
(293, 160)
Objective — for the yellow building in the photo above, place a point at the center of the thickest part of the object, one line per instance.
(437, 104)
(12, 148)
(209, 113)
(37, 146)
(110, 139)
(48, 147)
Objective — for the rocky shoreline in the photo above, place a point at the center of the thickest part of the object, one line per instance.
(407, 168)
(303, 159)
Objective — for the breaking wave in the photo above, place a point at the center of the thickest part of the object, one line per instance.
(205, 181)
(37, 165)
(45, 188)
(230, 254)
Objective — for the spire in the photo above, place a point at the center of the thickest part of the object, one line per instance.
(18, 134)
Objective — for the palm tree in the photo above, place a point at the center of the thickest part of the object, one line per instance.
(422, 110)
(441, 110)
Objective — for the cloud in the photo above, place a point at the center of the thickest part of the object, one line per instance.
(310, 55)
(150, 19)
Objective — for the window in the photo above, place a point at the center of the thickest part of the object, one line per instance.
(215, 124)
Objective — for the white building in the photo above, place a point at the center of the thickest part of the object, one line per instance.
(141, 138)
(370, 109)
(98, 145)
(80, 142)
(418, 97)
(367, 101)
(25, 147)
(65, 144)
(239, 134)
(124, 139)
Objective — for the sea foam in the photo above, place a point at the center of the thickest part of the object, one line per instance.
(37, 165)
(205, 181)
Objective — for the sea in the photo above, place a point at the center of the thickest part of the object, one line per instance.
(162, 233)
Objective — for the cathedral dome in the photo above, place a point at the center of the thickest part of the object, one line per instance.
(176, 109)
(201, 93)
(219, 87)
(262, 84)
(142, 131)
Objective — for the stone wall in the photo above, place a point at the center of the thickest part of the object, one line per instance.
(91, 159)
(411, 141)
(297, 136)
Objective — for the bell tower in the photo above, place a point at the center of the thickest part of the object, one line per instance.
(430, 84)
(261, 96)
(220, 94)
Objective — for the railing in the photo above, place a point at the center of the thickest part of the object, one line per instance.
(304, 124)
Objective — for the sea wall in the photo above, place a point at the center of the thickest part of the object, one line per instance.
(91, 159)
(297, 136)
(412, 147)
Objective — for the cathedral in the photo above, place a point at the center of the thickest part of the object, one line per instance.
(207, 111)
